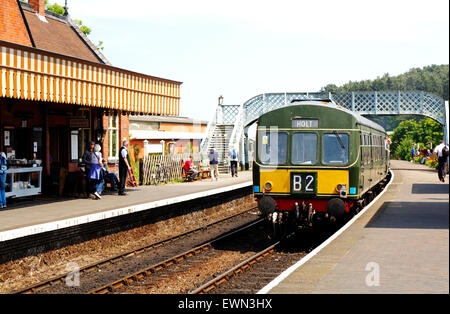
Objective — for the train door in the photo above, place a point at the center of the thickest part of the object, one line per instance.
(362, 162)
(366, 154)
(372, 165)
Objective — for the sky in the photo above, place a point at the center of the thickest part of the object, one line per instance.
(240, 49)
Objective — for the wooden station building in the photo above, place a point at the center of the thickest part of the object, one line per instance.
(58, 92)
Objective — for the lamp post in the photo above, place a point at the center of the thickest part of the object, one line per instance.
(219, 111)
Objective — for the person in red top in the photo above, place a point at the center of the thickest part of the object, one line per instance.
(190, 171)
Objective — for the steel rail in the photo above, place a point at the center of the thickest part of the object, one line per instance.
(168, 262)
(236, 270)
(61, 278)
(150, 270)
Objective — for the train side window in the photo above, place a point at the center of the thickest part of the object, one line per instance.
(335, 149)
(304, 148)
(272, 147)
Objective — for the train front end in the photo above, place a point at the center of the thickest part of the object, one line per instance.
(305, 169)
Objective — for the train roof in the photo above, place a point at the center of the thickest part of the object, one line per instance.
(330, 104)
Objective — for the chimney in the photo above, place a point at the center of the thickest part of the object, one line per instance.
(38, 6)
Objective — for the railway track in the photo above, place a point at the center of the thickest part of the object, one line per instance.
(104, 267)
(259, 270)
(253, 274)
(236, 270)
(199, 269)
(180, 273)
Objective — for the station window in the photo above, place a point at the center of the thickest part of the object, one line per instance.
(335, 149)
(304, 148)
(113, 137)
(272, 147)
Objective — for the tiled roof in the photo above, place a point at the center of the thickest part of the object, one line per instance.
(60, 35)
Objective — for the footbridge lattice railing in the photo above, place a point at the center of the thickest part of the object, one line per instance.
(364, 103)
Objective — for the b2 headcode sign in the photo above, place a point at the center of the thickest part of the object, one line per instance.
(305, 123)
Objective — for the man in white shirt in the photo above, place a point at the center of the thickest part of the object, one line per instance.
(124, 167)
(441, 152)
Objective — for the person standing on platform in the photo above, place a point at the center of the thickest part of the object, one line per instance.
(87, 161)
(100, 172)
(442, 153)
(213, 163)
(413, 153)
(233, 161)
(3, 171)
(124, 167)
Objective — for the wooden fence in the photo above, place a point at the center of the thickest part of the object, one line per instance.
(153, 168)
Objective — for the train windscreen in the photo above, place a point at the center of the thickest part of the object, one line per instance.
(304, 148)
(272, 147)
(335, 149)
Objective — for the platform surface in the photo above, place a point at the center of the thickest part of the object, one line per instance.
(399, 245)
(31, 217)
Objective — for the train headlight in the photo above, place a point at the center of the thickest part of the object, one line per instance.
(268, 186)
(342, 189)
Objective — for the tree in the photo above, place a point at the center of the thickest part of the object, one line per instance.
(422, 132)
(432, 79)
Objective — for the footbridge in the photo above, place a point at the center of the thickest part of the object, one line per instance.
(229, 125)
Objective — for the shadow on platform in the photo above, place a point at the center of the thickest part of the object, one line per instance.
(429, 188)
(31, 202)
(411, 215)
(418, 169)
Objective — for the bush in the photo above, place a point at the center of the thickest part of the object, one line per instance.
(432, 163)
(403, 149)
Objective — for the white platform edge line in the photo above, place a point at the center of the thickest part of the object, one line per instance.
(64, 223)
(275, 282)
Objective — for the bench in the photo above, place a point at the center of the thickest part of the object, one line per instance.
(204, 173)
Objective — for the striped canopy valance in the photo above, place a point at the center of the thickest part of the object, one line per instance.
(33, 74)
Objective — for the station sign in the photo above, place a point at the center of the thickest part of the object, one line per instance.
(305, 123)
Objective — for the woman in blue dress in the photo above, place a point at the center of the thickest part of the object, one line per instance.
(3, 171)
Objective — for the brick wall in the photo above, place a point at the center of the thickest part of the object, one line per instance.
(124, 128)
(12, 25)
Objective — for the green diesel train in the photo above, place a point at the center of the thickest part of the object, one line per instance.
(316, 161)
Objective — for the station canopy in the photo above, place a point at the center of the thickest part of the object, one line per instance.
(38, 75)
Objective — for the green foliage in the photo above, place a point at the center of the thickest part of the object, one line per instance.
(135, 166)
(389, 123)
(188, 148)
(432, 163)
(100, 45)
(422, 132)
(86, 30)
(60, 10)
(432, 79)
(403, 149)
(55, 8)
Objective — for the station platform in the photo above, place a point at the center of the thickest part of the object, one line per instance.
(30, 218)
(399, 245)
